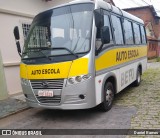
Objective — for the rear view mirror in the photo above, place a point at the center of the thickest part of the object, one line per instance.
(18, 47)
(99, 19)
(16, 33)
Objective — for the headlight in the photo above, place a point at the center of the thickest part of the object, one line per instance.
(78, 79)
(25, 82)
(71, 80)
(86, 77)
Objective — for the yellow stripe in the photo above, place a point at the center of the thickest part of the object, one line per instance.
(118, 56)
(56, 70)
(23, 71)
(79, 67)
(46, 71)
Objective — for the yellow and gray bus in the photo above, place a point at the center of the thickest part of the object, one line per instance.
(79, 55)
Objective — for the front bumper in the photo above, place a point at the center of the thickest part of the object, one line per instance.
(70, 96)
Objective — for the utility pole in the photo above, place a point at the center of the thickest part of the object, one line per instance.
(3, 86)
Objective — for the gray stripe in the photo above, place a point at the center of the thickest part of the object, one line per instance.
(118, 66)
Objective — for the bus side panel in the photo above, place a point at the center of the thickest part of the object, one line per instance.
(100, 83)
(124, 76)
(144, 65)
(129, 72)
(127, 75)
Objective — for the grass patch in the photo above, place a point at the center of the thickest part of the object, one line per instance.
(152, 60)
(158, 59)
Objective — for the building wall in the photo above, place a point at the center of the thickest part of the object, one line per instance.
(152, 49)
(158, 51)
(156, 28)
(14, 13)
(31, 7)
(52, 3)
(10, 56)
(144, 14)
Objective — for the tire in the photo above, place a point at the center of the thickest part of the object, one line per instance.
(138, 78)
(108, 97)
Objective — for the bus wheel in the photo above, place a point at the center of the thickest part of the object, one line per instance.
(108, 96)
(138, 78)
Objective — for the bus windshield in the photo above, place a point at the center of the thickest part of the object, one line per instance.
(61, 31)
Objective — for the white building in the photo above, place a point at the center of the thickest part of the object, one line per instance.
(16, 13)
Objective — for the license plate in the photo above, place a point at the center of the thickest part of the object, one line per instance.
(45, 93)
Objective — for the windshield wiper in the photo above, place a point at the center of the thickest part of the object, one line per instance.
(40, 50)
(52, 48)
(64, 48)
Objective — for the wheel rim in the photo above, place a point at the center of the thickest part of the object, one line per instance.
(109, 96)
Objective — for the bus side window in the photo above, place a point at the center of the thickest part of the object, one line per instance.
(136, 33)
(107, 23)
(128, 33)
(117, 27)
(98, 35)
(143, 36)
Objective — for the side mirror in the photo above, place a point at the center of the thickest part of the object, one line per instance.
(18, 47)
(16, 33)
(105, 35)
(99, 19)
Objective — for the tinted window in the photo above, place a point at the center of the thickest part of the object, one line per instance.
(107, 23)
(117, 29)
(143, 36)
(136, 33)
(128, 32)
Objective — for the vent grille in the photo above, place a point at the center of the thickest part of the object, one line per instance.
(55, 99)
(47, 84)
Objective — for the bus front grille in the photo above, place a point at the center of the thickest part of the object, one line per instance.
(50, 100)
(47, 84)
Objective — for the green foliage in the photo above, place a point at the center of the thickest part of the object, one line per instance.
(158, 59)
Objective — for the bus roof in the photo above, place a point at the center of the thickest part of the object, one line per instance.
(71, 3)
(104, 5)
(109, 7)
